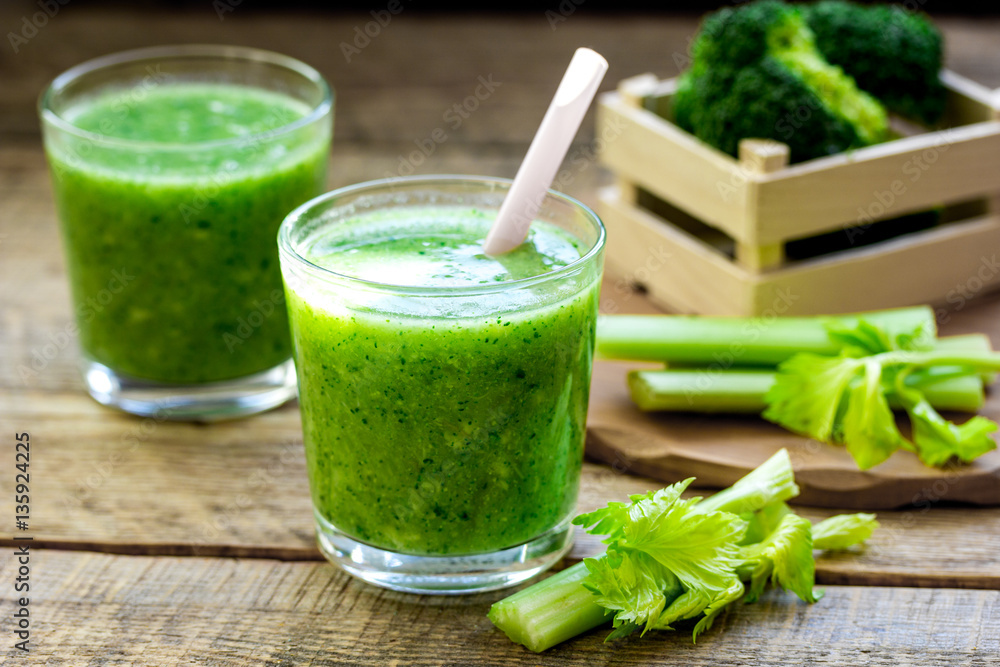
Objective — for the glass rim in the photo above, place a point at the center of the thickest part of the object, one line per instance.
(287, 249)
(181, 51)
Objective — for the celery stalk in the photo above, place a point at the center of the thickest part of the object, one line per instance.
(702, 390)
(743, 391)
(729, 341)
(770, 482)
(549, 612)
(979, 342)
(560, 607)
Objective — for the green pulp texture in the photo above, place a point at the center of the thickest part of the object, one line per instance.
(174, 265)
(446, 435)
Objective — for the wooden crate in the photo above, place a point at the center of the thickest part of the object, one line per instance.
(721, 247)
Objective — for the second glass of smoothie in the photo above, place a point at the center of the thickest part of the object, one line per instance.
(173, 168)
(443, 392)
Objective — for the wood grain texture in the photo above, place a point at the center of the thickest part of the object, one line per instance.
(765, 202)
(930, 266)
(911, 174)
(397, 89)
(109, 482)
(762, 203)
(114, 610)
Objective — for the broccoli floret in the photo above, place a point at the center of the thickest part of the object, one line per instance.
(756, 72)
(892, 53)
(763, 100)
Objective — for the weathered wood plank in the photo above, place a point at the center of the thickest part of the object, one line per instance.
(109, 482)
(110, 610)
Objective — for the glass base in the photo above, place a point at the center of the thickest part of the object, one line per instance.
(210, 401)
(443, 575)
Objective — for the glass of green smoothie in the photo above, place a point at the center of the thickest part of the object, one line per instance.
(443, 392)
(173, 168)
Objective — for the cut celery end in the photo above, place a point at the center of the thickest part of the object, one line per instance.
(549, 612)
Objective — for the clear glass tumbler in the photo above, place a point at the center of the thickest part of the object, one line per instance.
(443, 426)
(173, 168)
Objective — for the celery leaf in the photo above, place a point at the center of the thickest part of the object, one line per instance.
(699, 549)
(633, 585)
(868, 427)
(937, 440)
(666, 560)
(843, 531)
(808, 392)
(845, 399)
(785, 558)
(762, 523)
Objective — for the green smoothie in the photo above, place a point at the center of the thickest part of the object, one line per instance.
(170, 242)
(454, 432)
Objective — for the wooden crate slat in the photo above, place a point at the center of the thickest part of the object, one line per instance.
(948, 264)
(761, 156)
(656, 155)
(694, 277)
(902, 176)
(968, 101)
(957, 261)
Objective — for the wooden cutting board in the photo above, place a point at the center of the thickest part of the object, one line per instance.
(719, 449)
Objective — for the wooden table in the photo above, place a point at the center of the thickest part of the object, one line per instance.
(163, 543)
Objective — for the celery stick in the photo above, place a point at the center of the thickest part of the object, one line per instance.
(743, 391)
(963, 393)
(737, 341)
(979, 342)
(701, 390)
(551, 611)
(772, 481)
